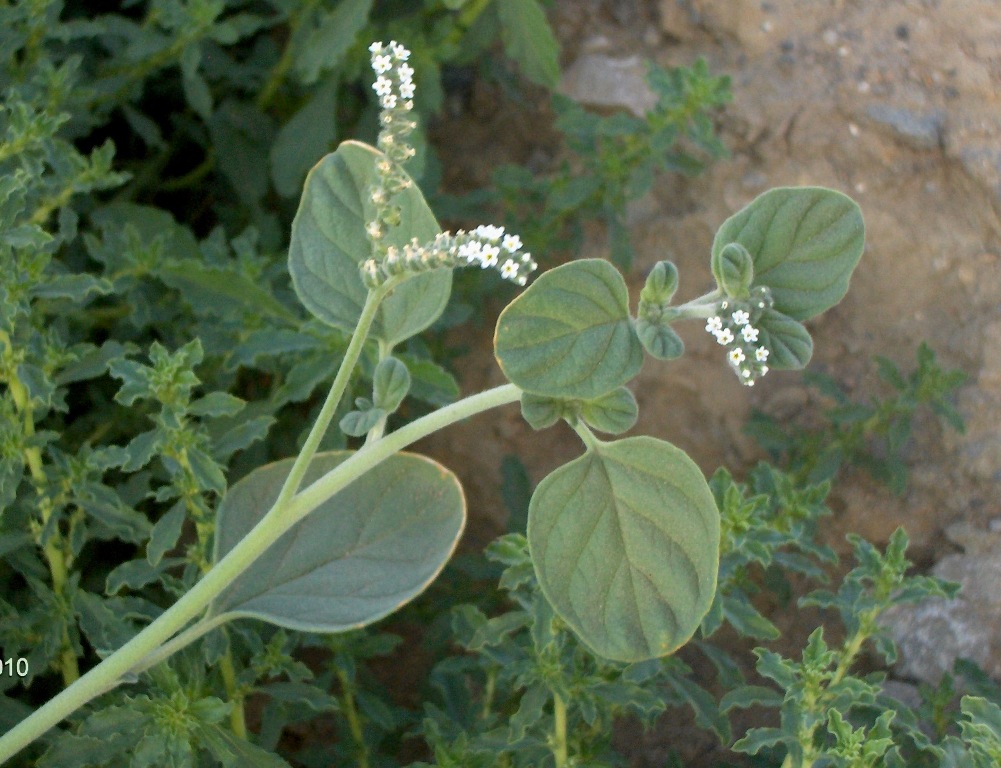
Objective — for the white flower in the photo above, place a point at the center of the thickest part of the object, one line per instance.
(764, 370)
(509, 270)
(381, 64)
(407, 91)
(470, 252)
(749, 333)
(512, 243)
(389, 101)
(399, 51)
(375, 48)
(761, 354)
(746, 373)
(373, 229)
(370, 268)
(383, 86)
(736, 356)
(714, 325)
(724, 304)
(725, 336)
(740, 317)
(489, 232)
(490, 254)
(406, 73)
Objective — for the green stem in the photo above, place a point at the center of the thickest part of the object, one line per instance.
(559, 731)
(137, 653)
(281, 69)
(351, 713)
(237, 715)
(351, 355)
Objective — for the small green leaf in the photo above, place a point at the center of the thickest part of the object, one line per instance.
(165, 533)
(570, 334)
(358, 423)
(613, 413)
(329, 242)
(326, 45)
(356, 558)
(540, 411)
(787, 340)
(219, 288)
(805, 242)
(390, 384)
(430, 382)
(625, 543)
(733, 268)
(529, 40)
(659, 339)
(661, 283)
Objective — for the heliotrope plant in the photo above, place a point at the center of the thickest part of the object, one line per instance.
(624, 539)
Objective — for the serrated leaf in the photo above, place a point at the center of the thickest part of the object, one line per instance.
(625, 543)
(304, 139)
(329, 242)
(358, 423)
(529, 40)
(196, 90)
(234, 752)
(750, 696)
(165, 533)
(788, 342)
(613, 413)
(659, 340)
(216, 404)
(570, 333)
(359, 556)
(390, 384)
(326, 45)
(757, 739)
(805, 243)
(78, 288)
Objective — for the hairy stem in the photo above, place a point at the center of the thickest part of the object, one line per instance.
(559, 731)
(351, 713)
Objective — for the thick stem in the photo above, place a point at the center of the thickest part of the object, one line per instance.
(149, 644)
(237, 716)
(559, 731)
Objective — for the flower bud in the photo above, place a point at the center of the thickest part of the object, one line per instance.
(661, 283)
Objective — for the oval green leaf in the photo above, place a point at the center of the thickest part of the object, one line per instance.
(356, 558)
(570, 333)
(625, 543)
(788, 342)
(659, 339)
(329, 242)
(613, 413)
(805, 243)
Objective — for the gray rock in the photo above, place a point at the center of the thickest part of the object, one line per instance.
(598, 80)
(933, 634)
(921, 130)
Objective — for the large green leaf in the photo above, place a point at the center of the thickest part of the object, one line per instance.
(329, 242)
(805, 242)
(570, 334)
(789, 343)
(356, 558)
(625, 542)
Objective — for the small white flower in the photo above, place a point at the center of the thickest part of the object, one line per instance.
(736, 356)
(714, 325)
(375, 48)
(512, 243)
(761, 354)
(373, 229)
(407, 90)
(749, 333)
(490, 254)
(489, 232)
(392, 255)
(724, 304)
(470, 252)
(383, 86)
(748, 382)
(406, 73)
(382, 64)
(764, 370)
(389, 101)
(509, 270)
(724, 337)
(740, 317)
(399, 51)
(521, 280)
(746, 373)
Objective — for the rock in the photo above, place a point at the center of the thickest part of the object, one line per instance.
(598, 80)
(677, 20)
(921, 130)
(933, 634)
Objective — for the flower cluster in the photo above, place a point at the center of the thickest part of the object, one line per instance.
(486, 246)
(733, 326)
(394, 85)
